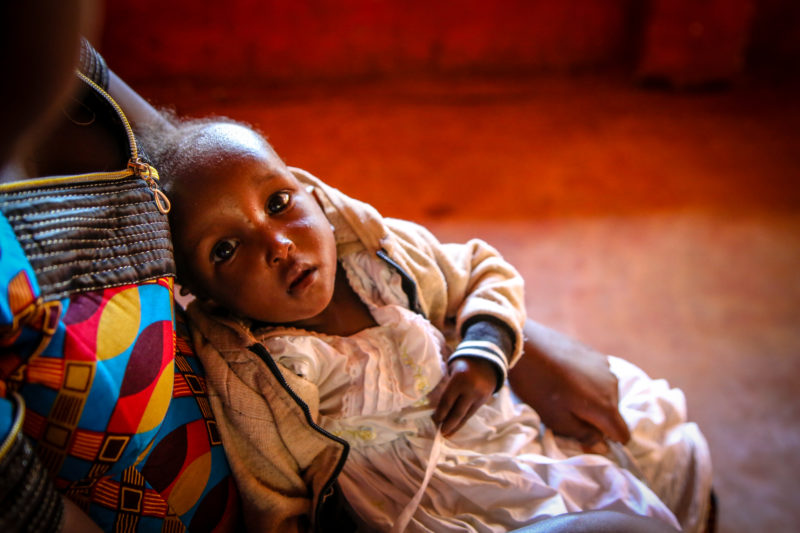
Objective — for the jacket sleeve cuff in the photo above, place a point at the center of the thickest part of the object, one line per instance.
(487, 338)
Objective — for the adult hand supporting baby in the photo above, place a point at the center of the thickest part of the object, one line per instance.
(469, 383)
(569, 385)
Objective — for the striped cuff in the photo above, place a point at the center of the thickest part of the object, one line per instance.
(485, 350)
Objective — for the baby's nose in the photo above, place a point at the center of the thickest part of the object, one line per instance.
(279, 249)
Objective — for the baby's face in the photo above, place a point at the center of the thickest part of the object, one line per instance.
(248, 235)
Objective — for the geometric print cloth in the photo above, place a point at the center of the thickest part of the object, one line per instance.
(115, 402)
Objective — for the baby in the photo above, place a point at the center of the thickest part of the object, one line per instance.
(344, 349)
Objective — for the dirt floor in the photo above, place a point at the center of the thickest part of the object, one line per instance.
(660, 226)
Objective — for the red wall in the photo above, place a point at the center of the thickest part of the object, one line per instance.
(323, 39)
(277, 39)
(775, 37)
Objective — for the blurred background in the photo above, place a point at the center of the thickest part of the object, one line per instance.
(637, 160)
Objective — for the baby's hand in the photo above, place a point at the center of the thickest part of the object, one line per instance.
(469, 384)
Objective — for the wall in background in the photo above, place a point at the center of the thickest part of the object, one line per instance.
(775, 36)
(274, 40)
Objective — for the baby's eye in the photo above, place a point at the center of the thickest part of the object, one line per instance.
(223, 250)
(278, 202)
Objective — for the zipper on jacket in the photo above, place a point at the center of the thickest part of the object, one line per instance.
(327, 489)
(133, 147)
(149, 174)
(136, 167)
(408, 285)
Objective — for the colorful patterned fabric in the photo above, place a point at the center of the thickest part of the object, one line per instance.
(123, 426)
(115, 402)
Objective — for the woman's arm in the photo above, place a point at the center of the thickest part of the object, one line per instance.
(569, 385)
(138, 110)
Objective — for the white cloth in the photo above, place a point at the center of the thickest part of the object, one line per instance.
(498, 472)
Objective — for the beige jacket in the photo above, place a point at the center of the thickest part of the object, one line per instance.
(284, 464)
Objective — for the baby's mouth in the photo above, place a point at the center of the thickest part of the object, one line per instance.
(302, 279)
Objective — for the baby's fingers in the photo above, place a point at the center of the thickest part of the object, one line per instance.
(458, 415)
(452, 411)
(446, 402)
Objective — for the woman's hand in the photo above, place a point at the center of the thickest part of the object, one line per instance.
(570, 386)
(469, 383)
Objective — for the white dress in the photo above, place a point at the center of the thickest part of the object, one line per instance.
(498, 472)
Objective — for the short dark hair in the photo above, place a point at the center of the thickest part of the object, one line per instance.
(163, 145)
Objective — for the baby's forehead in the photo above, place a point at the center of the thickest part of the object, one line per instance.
(215, 147)
(221, 138)
(229, 151)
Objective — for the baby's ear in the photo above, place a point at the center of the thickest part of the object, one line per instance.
(183, 291)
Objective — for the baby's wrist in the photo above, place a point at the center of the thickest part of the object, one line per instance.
(483, 353)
